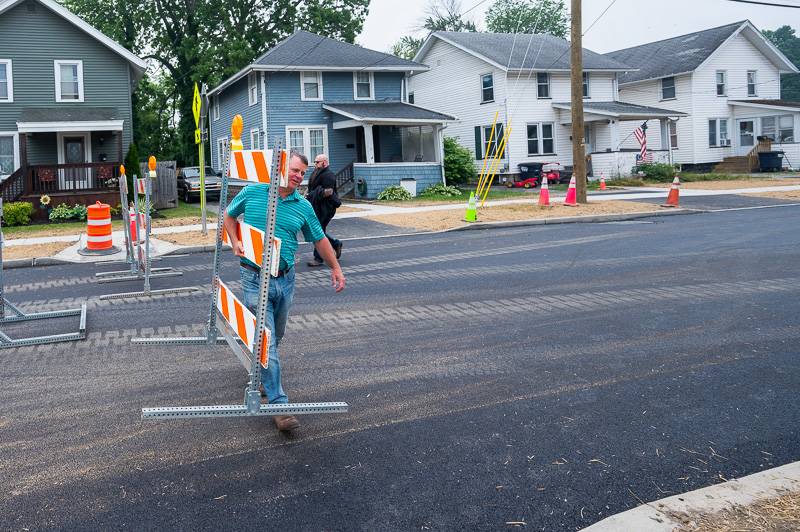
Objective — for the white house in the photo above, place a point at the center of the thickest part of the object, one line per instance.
(727, 80)
(524, 80)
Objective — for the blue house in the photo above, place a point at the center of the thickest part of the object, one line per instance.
(325, 96)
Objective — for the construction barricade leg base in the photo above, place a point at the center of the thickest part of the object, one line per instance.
(6, 341)
(148, 293)
(288, 409)
(178, 340)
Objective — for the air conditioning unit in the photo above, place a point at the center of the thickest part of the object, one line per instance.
(726, 142)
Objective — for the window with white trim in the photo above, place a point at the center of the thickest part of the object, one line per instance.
(8, 154)
(540, 138)
(487, 88)
(752, 84)
(542, 85)
(718, 132)
(222, 146)
(768, 127)
(722, 83)
(585, 84)
(6, 81)
(255, 139)
(483, 134)
(786, 128)
(252, 88)
(308, 140)
(215, 107)
(668, 88)
(363, 86)
(411, 98)
(69, 81)
(673, 134)
(311, 86)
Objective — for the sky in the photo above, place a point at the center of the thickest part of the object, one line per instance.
(627, 23)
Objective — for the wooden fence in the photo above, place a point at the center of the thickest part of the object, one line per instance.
(165, 188)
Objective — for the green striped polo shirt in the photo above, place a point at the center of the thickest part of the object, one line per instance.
(294, 214)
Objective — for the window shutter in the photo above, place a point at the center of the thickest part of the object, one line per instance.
(498, 133)
(478, 144)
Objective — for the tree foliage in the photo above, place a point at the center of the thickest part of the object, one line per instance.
(787, 41)
(440, 15)
(459, 165)
(528, 16)
(207, 41)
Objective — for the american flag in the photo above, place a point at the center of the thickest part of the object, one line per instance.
(641, 135)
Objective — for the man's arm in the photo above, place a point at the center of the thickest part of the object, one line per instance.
(325, 251)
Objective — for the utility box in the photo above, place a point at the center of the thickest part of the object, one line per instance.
(410, 185)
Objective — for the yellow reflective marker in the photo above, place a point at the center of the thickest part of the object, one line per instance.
(237, 125)
(196, 103)
(197, 136)
(122, 169)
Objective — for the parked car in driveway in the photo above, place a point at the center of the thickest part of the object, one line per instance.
(189, 183)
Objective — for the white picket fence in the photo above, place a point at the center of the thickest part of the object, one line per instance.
(620, 163)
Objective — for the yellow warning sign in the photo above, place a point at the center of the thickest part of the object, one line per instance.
(197, 136)
(196, 103)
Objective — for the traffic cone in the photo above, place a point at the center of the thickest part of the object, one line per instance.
(544, 193)
(472, 211)
(602, 182)
(674, 193)
(572, 194)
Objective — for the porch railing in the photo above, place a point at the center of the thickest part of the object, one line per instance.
(345, 181)
(49, 178)
(764, 144)
(13, 186)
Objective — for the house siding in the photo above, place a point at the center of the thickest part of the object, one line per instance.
(379, 177)
(33, 40)
(453, 86)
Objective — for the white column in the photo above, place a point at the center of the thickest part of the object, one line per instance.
(369, 143)
(664, 133)
(440, 140)
(264, 140)
(613, 126)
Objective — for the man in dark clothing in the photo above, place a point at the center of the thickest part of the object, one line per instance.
(324, 199)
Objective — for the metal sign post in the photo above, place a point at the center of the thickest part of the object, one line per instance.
(199, 107)
(250, 348)
(16, 314)
(141, 269)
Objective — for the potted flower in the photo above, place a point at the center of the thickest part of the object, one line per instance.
(44, 201)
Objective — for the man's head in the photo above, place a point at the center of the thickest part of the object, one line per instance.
(321, 162)
(298, 164)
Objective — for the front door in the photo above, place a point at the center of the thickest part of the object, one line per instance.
(74, 177)
(747, 137)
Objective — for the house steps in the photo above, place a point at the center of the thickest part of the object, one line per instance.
(733, 165)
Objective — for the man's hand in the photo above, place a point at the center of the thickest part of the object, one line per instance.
(337, 279)
(327, 192)
(238, 249)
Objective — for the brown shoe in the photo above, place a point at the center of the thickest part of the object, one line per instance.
(314, 263)
(286, 423)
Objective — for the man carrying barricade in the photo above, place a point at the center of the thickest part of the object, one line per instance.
(294, 214)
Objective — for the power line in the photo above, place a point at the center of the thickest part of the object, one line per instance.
(764, 3)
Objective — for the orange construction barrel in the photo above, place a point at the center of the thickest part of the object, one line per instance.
(98, 230)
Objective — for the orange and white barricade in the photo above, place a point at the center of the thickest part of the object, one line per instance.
(252, 240)
(242, 322)
(252, 165)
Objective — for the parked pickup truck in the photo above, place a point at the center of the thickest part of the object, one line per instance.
(189, 183)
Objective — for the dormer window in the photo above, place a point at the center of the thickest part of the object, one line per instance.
(722, 85)
(69, 81)
(311, 86)
(668, 88)
(6, 81)
(487, 88)
(363, 86)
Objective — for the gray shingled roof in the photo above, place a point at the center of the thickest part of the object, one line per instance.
(386, 111)
(69, 114)
(304, 49)
(777, 103)
(544, 53)
(672, 56)
(622, 109)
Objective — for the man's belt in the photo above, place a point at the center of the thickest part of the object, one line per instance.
(256, 269)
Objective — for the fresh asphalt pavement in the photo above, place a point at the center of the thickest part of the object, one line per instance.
(551, 375)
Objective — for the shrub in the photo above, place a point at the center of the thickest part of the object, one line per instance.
(394, 193)
(63, 212)
(131, 166)
(79, 212)
(656, 171)
(459, 164)
(17, 213)
(441, 190)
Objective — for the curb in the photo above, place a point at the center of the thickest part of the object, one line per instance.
(577, 219)
(666, 514)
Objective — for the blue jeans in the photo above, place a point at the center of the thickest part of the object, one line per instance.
(281, 293)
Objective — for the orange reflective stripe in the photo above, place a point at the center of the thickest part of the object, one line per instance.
(258, 245)
(241, 327)
(240, 166)
(264, 349)
(223, 295)
(262, 172)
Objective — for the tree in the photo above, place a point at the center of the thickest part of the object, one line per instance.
(789, 43)
(528, 16)
(440, 15)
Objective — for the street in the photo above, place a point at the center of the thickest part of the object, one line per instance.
(547, 375)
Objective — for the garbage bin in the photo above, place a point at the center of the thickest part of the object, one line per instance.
(410, 185)
(528, 170)
(770, 161)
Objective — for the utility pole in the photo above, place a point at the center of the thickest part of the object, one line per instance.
(576, 62)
